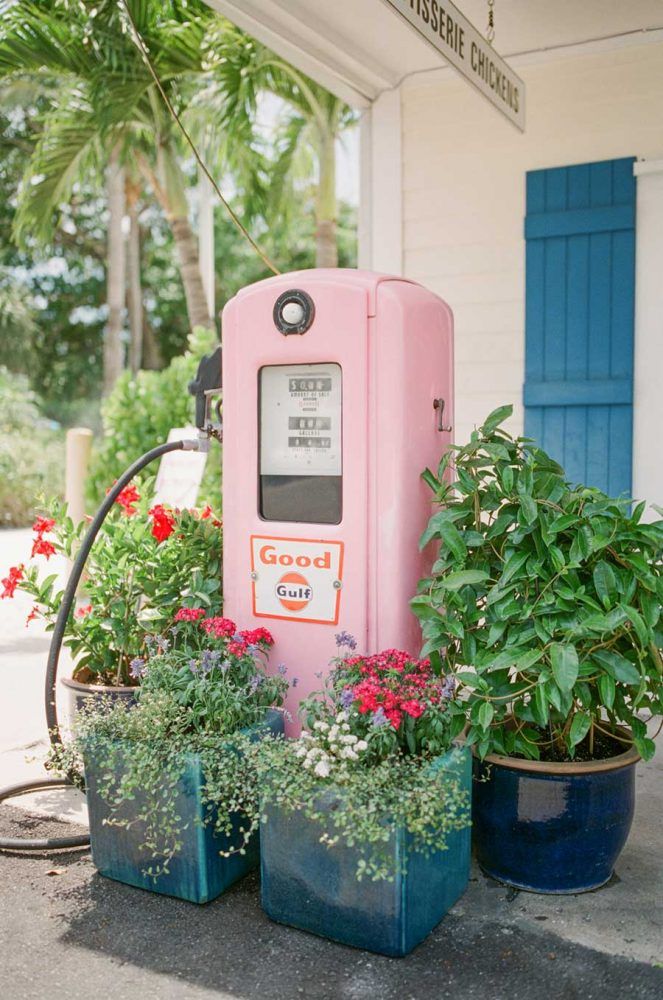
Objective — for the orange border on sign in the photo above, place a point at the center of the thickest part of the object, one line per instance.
(288, 618)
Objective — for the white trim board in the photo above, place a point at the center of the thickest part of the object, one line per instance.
(648, 359)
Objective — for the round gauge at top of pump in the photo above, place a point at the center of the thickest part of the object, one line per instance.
(293, 312)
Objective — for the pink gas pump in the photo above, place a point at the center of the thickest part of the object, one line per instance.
(338, 392)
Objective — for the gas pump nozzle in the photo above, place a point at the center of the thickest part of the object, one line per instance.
(205, 386)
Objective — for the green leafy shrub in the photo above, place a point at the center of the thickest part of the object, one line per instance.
(552, 593)
(145, 564)
(139, 413)
(31, 452)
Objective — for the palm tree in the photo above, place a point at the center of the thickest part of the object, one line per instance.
(105, 111)
(244, 70)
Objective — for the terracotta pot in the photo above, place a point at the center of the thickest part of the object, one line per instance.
(552, 827)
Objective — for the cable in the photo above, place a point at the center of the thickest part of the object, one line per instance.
(233, 215)
(68, 598)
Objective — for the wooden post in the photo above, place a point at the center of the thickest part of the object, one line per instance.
(78, 447)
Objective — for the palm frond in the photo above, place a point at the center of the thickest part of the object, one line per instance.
(68, 150)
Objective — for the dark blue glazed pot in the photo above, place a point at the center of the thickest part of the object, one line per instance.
(552, 828)
(197, 872)
(314, 887)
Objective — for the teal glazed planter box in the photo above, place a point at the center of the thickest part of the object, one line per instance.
(308, 885)
(198, 872)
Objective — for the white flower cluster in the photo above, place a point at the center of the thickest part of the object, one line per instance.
(329, 745)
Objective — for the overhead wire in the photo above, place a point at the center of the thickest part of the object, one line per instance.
(140, 42)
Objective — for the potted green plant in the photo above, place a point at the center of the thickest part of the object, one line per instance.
(365, 818)
(146, 560)
(545, 601)
(171, 793)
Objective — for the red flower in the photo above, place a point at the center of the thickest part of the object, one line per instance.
(127, 498)
(40, 547)
(33, 614)
(205, 512)
(43, 525)
(237, 647)
(189, 614)
(11, 581)
(219, 627)
(413, 708)
(83, 611)
(394, 717)
(257, 636)
(163, 522)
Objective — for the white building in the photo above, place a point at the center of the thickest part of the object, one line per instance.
(569, 320)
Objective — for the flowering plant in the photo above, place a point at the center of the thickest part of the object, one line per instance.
(205, 688)
(146, 560)
(367, 762)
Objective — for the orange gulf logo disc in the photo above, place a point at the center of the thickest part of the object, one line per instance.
(294, 591)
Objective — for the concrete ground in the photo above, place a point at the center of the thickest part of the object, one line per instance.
(69, 933)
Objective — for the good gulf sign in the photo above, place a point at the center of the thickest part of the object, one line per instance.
(298, 579)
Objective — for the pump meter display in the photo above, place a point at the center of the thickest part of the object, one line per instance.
(301, 443)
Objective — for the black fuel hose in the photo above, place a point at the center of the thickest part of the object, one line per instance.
(68, 598)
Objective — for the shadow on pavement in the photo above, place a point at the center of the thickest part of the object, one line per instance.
(229, 945)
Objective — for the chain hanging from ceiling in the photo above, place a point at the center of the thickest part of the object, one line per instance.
(490, 28)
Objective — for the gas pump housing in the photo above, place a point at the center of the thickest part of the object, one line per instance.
(338, 392)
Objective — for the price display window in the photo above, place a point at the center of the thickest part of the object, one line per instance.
(301, 469)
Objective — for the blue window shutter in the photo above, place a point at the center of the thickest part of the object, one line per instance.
(579, 291)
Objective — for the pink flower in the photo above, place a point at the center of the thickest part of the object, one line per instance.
(189, 614)
(12, 580)
(33, 614)
(82, 612)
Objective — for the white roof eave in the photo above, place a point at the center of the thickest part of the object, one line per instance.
(357, 65)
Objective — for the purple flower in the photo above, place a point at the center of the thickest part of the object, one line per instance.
(209, 660)
(137, 667)
(294, 682)
(379, 719)
(448, 687)
(318, 674)
(345, 639)
(347, 697)
(193, 666)
(255, 683)
(282, 669)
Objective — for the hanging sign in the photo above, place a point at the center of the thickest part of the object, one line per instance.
(449, 31)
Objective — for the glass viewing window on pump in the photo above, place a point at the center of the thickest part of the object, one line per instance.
(300, 475)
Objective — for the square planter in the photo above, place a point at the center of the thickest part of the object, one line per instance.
(197, 872)
(313, 887)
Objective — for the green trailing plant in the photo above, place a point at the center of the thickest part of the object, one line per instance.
(202, 704)
(367, 764)
(545, 601)
(145, 561)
